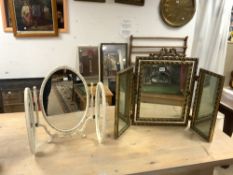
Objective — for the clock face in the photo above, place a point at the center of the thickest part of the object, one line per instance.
(177, 13)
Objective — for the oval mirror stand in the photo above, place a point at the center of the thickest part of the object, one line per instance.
(66, 105)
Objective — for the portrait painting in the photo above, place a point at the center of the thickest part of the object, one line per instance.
(89, 63)
(62, 16)
(34, 17)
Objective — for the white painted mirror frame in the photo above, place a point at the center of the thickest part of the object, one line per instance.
(30, 119)
(87, 99)
(100, 111)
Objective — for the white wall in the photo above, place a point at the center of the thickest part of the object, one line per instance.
(89, 24)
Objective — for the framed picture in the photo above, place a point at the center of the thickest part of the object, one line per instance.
(89, 63)
(62, 16)
(113, 58)
(132, 2)
(92, 0)
(6, 19)
(34, 18)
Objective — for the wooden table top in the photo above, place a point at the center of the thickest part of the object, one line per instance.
(140, 149)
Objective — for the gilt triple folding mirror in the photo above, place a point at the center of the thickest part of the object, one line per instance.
(163, 94)
(64, 101)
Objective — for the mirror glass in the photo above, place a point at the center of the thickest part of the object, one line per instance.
(123, 100)
(206, 103)
(64, 99)
(30, 120)
(164, 88)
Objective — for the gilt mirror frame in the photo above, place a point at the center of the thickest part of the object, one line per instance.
(197, 102)
(128, 72)
(166, 60)
(42, 103)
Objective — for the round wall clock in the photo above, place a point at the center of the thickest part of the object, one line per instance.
(177, 13)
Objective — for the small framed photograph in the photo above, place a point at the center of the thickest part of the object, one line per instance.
(132, 2)
(6, 19)
(92, 0)
(34, 18)
(89, 63)
(113, 58)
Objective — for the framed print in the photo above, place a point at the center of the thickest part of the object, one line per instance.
(89, 63)
(92, 0)
(132, 2)
(34, 18)
(62, 15)
(6, 19)
(113, 58)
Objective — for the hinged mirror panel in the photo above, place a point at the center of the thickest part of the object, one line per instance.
(207, 98)
(124, 89)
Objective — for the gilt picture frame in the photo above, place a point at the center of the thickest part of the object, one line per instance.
(34, 18)
(6, 19)
(62, 16)
(131, 2)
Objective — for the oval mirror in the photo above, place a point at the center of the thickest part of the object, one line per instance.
(30, 120)
(100, 111)
(64, 99)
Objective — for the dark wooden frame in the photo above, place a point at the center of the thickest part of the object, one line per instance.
(92, 0)
(102, 57)
(131, 2)
(189, 90)
(34, 33)
(128, 105)
(197, 101)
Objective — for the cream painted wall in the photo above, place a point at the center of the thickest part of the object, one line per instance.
(89, 24)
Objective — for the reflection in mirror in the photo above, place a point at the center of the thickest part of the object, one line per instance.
(100, 111)
(123, 101)
(208, 94)
(164, 88)
(64, 99)
(30, 119)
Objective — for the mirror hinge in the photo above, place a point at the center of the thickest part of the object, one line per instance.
(196, 78)
(190, 118)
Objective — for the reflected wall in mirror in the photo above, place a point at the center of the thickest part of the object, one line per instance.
(30, 119)
(64, 98)
(164, 88)
(208, 95)
(124, 90)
